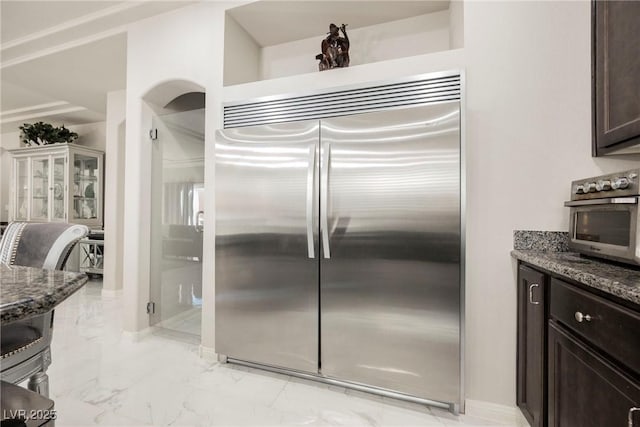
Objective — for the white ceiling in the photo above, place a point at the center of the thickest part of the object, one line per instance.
(305, 19)
(60, 58)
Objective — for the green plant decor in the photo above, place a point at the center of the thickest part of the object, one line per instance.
(41, 133)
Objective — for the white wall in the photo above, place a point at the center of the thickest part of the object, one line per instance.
(241, 54)
(114, 192)
(93, 135)
(527, 136)
(397, 39)
(362, 75)
(456, 24)
(191, 42)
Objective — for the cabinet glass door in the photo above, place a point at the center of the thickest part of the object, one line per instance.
(40, 189)
(85, 187)
(22, 189)
(58, 188)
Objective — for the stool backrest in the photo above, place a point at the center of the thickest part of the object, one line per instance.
(43, 245)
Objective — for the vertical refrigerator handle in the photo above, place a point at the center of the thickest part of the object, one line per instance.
(324, 196)
(310, 179)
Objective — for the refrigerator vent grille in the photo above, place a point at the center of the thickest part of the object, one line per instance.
(344, 102)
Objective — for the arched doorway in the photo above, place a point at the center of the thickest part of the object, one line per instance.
(177, 208)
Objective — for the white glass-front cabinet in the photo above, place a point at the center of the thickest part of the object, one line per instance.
(58, 182)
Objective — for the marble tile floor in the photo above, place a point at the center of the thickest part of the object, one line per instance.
(187, 322)
(99, 376)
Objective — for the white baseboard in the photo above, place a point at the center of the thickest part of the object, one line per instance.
(503, 414)
(111, 293)
(522, 420)
(208, 353)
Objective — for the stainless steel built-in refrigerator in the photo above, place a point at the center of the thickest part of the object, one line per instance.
(338, 249)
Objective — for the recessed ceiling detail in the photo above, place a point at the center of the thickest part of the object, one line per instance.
(55, 110)
(312, 18)
(60, 58)
(103, 19)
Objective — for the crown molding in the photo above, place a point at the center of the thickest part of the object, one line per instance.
(44, 113)
(90, 17)
(64, 46)
(33, 108)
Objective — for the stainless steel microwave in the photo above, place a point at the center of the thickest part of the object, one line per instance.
(604, 217)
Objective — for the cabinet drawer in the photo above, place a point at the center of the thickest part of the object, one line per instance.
(609, 326)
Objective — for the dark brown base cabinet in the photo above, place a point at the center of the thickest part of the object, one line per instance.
(532, 323)
(584, 389)
(578, 355)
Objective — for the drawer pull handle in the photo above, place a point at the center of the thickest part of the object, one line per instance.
(582, 317)
(631, 411)
(531, 301)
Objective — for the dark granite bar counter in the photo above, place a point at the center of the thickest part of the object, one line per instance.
(614, 279)
(26, 292)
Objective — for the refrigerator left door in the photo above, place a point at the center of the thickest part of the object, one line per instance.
(267, 267)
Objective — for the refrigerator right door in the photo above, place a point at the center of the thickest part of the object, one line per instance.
(390, 268)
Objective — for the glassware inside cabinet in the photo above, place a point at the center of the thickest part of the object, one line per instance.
(40, 189)
(58, 188)
(85, 183)
(22, 188)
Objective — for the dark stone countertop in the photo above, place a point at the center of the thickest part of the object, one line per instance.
(555, 241)
(614, 279)
(26, 292)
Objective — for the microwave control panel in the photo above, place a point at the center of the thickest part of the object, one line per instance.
(621, 184)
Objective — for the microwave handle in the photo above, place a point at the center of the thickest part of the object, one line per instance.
(608, 201)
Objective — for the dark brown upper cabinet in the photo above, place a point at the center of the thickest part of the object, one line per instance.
(616, 76)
